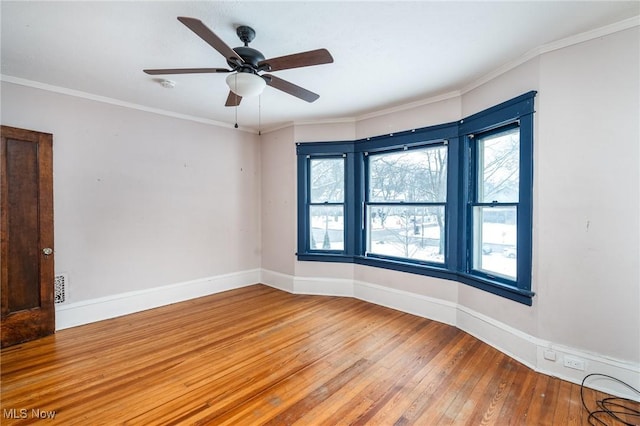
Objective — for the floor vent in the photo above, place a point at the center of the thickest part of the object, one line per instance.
(60, 288)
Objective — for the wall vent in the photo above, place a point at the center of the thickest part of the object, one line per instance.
(60, 288)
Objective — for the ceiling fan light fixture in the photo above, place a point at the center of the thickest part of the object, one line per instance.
(245, 84)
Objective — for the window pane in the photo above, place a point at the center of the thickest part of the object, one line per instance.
(495, 241)
(412, 232)
(327, 180)
(417, 175)
(499, 167)
(327, 227)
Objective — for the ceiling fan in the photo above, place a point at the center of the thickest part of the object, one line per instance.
(247, 64)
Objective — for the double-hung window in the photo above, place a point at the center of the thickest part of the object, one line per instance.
(453, 201)
(406, 195)
(326, 204)
(495, 249)
(494, 201)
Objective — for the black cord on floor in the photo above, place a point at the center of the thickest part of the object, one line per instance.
(610, 407)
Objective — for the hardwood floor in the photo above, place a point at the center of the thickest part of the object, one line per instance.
(257, 355)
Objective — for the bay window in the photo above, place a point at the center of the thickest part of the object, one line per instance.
(453, 201)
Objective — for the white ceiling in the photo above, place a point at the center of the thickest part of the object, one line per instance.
(386, 53)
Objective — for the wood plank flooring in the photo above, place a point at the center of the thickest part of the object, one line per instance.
(257, 355)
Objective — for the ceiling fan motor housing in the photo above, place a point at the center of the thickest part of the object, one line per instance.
(249, 55)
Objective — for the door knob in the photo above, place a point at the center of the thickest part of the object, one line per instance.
(47, 251)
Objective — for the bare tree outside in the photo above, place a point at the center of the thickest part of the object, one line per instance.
(413, 181)
(499, 167)
(408, 193)
(495, 225)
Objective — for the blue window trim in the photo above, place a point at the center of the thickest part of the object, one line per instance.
(322, 150)
(457, 266)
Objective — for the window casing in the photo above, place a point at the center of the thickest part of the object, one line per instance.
(452, 201)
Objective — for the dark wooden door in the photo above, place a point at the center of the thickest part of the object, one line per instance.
(26, 228)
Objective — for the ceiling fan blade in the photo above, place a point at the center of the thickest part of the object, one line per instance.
(290, 88)
(233, 99)
(186, 71)
(213, 40)
(297, 60)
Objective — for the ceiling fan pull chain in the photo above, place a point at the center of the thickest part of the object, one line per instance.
(236, 125)
(235, 80)
(259, 115)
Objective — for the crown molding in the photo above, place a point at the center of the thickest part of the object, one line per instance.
(327, 121)
(412, 105)
(117, 102)
(550, 47)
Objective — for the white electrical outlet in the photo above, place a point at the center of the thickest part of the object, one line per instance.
(573, 362)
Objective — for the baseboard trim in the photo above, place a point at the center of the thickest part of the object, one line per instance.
(278, 280)
(88, 311)
(323, 286)
(521, 346)
(411, 303)
(508, 340)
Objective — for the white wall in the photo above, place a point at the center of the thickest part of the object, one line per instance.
(143, 200)
(279, 209)
(588, 188)
(445, 110)
(586, 271)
